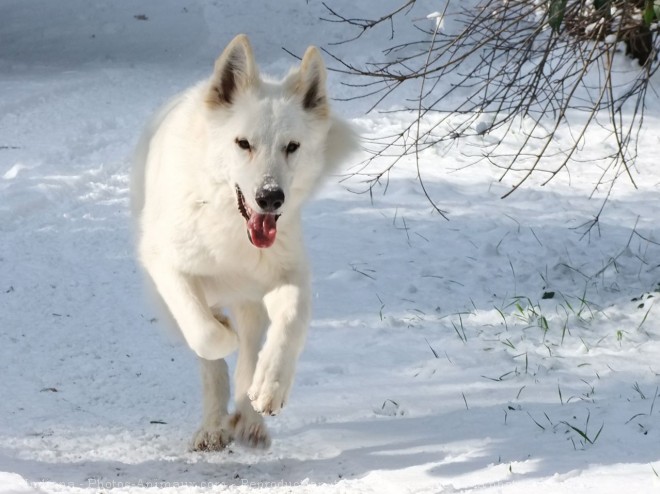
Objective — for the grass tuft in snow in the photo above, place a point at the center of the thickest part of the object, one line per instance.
(584, 432)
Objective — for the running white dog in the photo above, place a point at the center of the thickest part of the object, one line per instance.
(218, 184)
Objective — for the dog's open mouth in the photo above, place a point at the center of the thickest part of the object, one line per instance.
(261, 227)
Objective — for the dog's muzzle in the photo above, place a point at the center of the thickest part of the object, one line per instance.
(261, 226)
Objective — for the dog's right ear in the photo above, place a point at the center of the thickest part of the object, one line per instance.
(235, 70)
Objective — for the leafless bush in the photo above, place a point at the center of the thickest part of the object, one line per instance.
(486, 67)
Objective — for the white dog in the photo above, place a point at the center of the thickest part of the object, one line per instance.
(217, 188)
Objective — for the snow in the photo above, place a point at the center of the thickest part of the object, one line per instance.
(506, 350)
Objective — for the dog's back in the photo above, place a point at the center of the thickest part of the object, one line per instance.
(141, 153)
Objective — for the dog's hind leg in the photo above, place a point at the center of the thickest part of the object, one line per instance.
(246, 424)
(214, 434)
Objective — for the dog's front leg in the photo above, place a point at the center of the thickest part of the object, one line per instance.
(184, 296)
(289, 308)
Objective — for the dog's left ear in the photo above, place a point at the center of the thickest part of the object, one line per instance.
(311, 83)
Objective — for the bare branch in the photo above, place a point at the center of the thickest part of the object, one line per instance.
(496, 67)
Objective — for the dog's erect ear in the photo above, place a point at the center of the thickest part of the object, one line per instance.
(235, 70)
(311, 83)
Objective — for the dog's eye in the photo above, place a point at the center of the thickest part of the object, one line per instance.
(292, 147)
(243, 144)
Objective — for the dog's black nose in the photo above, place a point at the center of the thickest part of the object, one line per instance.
(270, 199)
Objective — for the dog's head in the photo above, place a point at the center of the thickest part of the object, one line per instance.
(269, 139)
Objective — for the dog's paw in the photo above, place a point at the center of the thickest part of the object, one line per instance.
(211, 439)
(248, 428)
(216, 341)
(270, 389)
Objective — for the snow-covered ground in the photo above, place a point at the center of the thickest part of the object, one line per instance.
(502, 351)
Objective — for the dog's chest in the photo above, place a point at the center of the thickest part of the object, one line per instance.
(238, 279)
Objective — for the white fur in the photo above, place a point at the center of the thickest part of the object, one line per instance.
(192, 239)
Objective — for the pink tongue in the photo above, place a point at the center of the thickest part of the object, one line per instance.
(262, 228)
